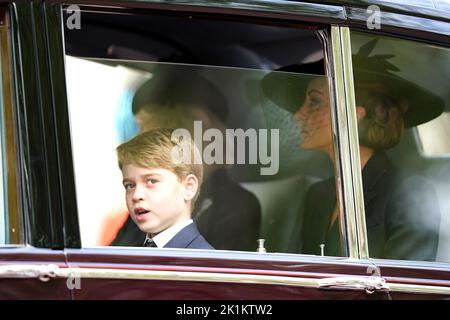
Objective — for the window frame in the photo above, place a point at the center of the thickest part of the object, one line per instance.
(341, 64)
(329, 72)
(281, 11)
(285, 11)
(39, 189)
(437, 39)
(15, 232)
(429, 276)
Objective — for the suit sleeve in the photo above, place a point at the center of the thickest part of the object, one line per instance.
(247, 228)
(412, 222)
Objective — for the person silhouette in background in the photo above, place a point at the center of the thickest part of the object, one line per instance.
(227, 215)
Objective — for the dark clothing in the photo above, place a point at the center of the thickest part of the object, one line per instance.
(189, 237)
(233, 218)
(129, 235)
(227, 215)
(402, 214)
(150, 243)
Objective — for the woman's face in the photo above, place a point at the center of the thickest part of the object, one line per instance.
(314, 117)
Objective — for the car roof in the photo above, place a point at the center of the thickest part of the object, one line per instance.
(404, 4)
(439, 9)
(431, 8)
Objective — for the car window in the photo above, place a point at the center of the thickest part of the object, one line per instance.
(10, 220)
(403, 103)
(253, 97)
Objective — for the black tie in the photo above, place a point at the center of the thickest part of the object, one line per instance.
(150, 243)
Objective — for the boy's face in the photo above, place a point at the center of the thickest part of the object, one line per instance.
(156, 198)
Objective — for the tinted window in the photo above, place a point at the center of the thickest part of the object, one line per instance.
(403, 101)
(238, 88)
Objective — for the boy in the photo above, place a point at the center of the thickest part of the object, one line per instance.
(161, 191)
(226, 214)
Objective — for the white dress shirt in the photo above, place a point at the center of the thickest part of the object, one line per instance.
(161, 239)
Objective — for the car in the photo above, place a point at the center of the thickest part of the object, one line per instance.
(69, 73)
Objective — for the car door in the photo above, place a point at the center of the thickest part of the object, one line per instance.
(414, 262)
(108, 53)
(31, 233)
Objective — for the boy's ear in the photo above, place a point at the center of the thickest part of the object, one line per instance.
(360, 112)
(191, 187)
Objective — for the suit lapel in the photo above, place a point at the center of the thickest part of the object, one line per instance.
(184, 238)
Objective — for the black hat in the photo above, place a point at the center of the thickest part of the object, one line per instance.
(287, 89)
(173, 85)
(287, 86)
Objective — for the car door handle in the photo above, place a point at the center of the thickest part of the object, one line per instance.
(369, 284)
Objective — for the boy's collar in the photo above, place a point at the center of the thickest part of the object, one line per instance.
(162, 238)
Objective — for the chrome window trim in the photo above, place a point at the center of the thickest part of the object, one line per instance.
(352, 120)
(343, 150)
(333, 87)
(348, 151)
(49, 271)
(410, 264)
(293, 258)
(419, 289)
(278, 7)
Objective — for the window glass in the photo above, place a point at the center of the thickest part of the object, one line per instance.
(3, 216)
(10, 222)
(402, 101)
(433, 136)
(238, 89)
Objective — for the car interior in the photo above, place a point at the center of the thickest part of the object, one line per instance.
(247, 51)
(237, 50)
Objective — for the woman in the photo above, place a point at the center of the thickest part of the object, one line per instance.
(402, 214)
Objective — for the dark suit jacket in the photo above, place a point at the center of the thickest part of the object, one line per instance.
(402, 214)
(227, 215)
(232, 220)
(189, 237)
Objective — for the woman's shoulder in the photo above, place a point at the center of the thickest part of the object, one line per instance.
(402, 183)
(412, 183)
(324, 187)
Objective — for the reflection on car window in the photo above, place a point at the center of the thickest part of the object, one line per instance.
(10, 222)
(401, 87)
(433, 136)
(260, 117)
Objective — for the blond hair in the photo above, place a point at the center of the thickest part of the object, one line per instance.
(383, 125)
(155, 149)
